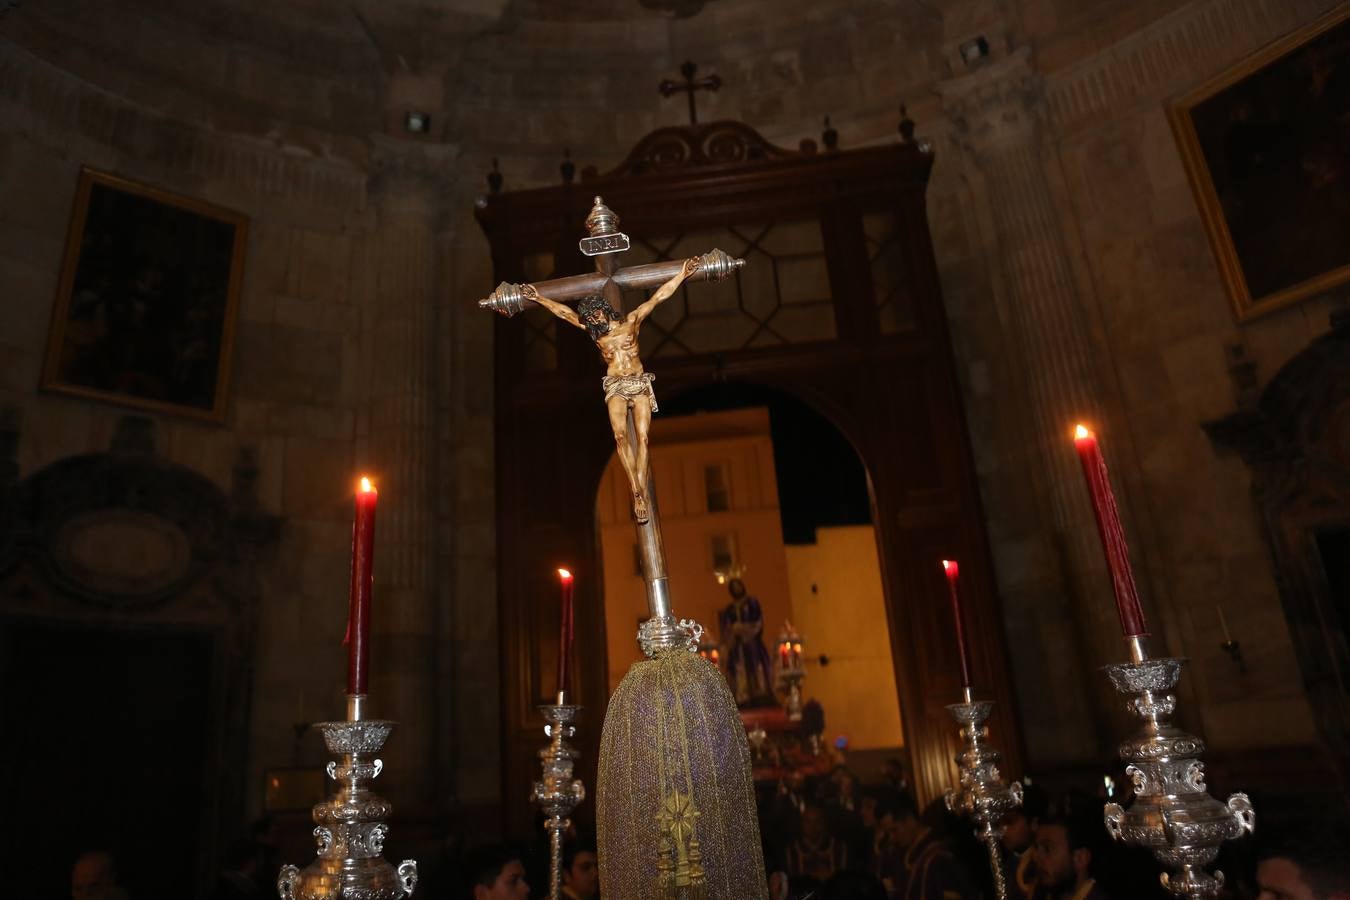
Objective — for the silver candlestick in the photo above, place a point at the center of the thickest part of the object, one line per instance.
(792, 699)
(791, 671)
(1172, 814)
(350, 826)
(558, 793)
(982, 796)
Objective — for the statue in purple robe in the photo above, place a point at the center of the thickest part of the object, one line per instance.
(748, 665)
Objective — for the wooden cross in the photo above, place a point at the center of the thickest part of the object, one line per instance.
(604, 242)
(711, 83)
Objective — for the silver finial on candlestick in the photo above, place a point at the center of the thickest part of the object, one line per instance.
(558, 793)
(983, 796)
(1173, 814)
(350, 826)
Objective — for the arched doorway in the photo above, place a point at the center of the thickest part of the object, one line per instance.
(757, 486)
(872, 356)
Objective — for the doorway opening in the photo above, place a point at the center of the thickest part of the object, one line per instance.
(122, 721)
(755, 486)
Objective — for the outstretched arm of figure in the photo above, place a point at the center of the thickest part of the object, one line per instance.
(561, 310)
(664, 292)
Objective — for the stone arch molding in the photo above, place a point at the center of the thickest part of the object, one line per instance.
(119, 531)
(129, 530)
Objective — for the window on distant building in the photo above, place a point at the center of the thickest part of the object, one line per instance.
(723, 552)
(717, 486)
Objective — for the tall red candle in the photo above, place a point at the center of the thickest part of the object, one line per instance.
(566, 632)
(953, 572)
(363, 583)
(1112, 534)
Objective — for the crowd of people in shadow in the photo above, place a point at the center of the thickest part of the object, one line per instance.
(834, 838)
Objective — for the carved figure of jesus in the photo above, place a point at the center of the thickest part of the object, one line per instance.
(626, 384)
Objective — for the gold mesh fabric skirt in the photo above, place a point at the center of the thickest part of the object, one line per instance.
(675, 805)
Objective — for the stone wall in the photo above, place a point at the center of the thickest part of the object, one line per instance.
(837, 597)
(343, 362)
(1162, 321)
(1134, 269)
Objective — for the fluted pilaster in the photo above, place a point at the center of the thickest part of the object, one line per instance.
(997, 113)
(404, 276)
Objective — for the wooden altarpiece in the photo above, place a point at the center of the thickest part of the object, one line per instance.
(839, 306)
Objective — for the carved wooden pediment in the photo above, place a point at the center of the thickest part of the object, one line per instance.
(679, 146)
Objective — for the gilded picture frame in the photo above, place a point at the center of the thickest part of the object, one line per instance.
(147, 299)
(1263, 144)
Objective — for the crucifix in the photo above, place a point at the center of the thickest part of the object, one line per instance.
(702, 798)
(597, 305)
(594, 303)
(689, 85)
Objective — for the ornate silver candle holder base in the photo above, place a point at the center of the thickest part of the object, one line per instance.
(350, 826)
(983, 796)
(558, 793)
(661, 633)
(1173, 814)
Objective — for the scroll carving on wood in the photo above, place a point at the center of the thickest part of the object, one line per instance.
(695, 145)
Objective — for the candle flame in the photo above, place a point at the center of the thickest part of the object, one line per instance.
(950, 567)
(564, 575)
(366, 486)
(1081, 431)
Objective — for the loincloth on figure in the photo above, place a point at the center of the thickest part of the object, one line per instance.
(630, 386)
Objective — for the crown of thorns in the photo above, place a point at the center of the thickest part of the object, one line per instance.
(592, 304)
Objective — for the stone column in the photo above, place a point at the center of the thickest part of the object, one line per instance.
(403, 280)
(996, 113)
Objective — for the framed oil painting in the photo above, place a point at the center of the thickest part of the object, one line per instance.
(1267, 148)
(146, 302)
